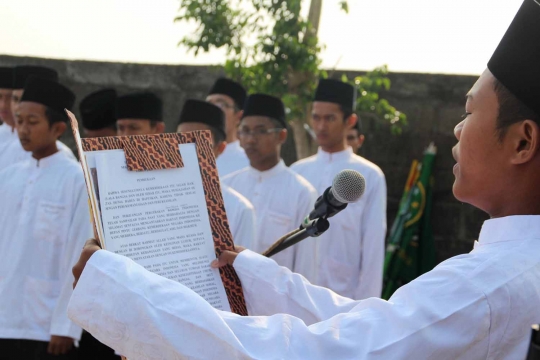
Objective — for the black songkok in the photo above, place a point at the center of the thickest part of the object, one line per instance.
(515, 61)
(230, 88)
(6, 78)
(337, 92)
(21, 74)
(144, 106)
(97, 109)
(197, 111)
(49, 93)
(265, 105)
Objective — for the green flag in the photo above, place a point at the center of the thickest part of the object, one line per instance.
(410, 250)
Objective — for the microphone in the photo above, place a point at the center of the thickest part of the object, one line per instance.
(348, 186)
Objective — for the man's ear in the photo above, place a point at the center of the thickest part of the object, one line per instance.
(58, 128)
(160, 127)
(351, 121)
(239, 115)
(361, 139)
(523, 138)
(220, 148)
(282, 136)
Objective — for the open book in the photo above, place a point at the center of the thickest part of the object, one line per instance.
(157, 200)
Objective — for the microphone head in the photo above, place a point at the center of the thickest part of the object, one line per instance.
(348, 186)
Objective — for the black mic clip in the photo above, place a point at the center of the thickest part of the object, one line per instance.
(325, 207)
(314, 228)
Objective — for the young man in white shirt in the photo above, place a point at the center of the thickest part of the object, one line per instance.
(14, 152)
(281, 198)
(230, 96)
(473, 306)
(199, 115)
(139, 114)
(351, 252)
(43, 223)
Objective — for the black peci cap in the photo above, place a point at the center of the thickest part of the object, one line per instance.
(197, 111)
(230, 88)
(98, 109)
(6, 78)
(515, 61)
(144, 106)
(49, 93)
(265, 105)
(337, 92)
(21, 74)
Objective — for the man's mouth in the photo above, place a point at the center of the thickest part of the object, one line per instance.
(454, 154)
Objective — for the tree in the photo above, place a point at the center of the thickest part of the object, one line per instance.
(271, 49)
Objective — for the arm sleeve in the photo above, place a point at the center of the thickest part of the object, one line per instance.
(271, 289)
(143, 315)
(80, 230)
(373, 232)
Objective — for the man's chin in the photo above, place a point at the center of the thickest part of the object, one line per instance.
(27, 146)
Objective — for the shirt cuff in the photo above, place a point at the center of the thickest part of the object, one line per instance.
(88, 289)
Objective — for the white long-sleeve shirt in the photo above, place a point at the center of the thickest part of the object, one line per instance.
(281, 199)
(14, 153)
(474, 306)
(351, 252)
(241, 216)
(7, 135)
(44, 222)
(232, 159)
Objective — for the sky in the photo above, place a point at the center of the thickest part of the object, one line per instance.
(426, 36)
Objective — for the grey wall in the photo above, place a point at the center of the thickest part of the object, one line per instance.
(433, 104)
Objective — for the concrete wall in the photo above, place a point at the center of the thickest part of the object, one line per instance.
(433, 104)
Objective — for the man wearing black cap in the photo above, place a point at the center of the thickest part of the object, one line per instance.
(352, 250)
(281, 198)
(14, 152)
(98, 113)
(7, 132)
(139, 114)
(200, 115)
(21, 74)
(43, 224)
(473, 306)
(355, 137)
(230, 96)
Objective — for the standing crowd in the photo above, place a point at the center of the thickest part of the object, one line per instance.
(44, 219)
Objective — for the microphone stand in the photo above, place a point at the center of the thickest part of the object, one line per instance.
(314, 228)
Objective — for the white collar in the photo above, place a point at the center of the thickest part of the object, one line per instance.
(263, 175)
(336, 156)
(48, 161)
(517, 227)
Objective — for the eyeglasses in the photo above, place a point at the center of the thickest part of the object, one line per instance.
(257, 133)
(351, 137)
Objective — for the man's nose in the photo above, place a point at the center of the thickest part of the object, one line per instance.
(457, 129)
